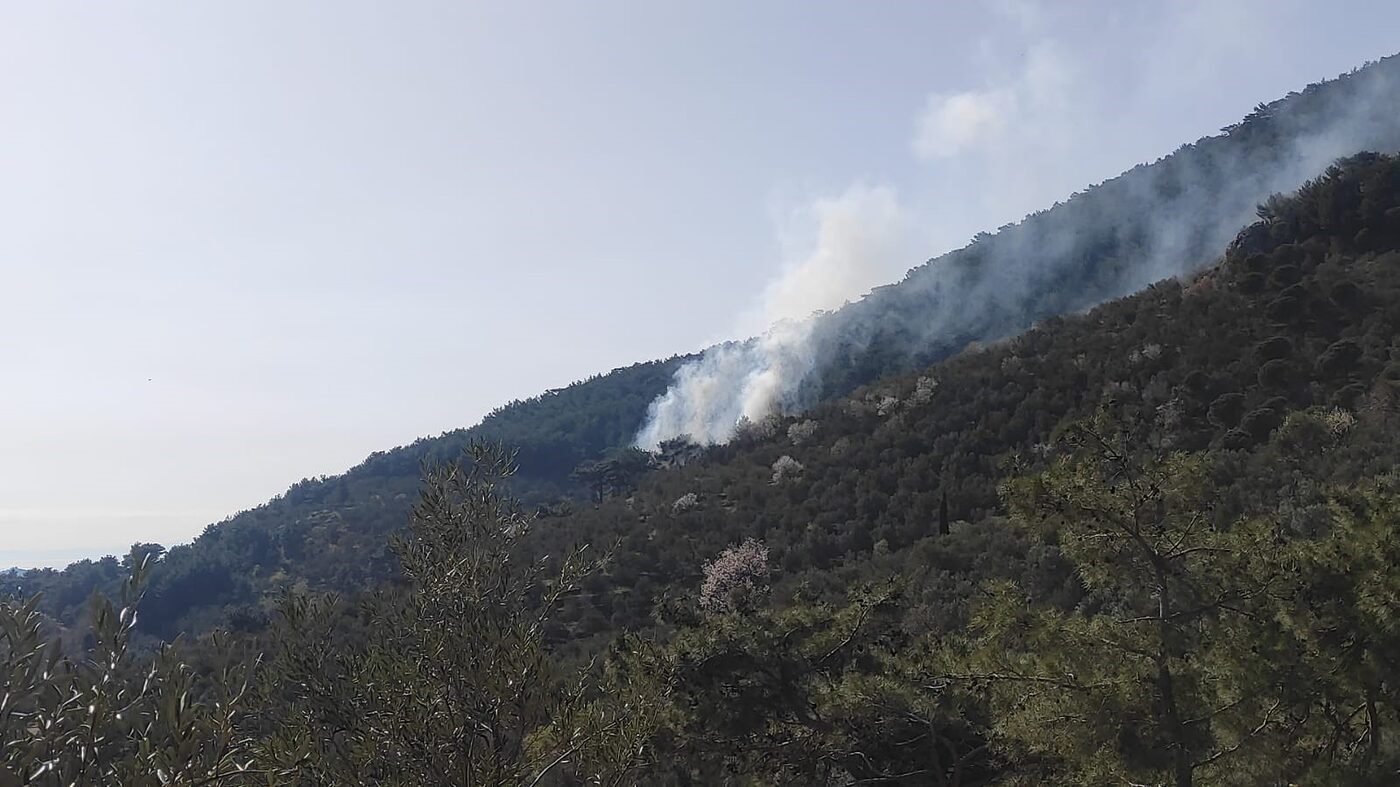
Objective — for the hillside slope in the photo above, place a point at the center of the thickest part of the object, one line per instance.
(1150, 223)
(1156, 220)
(1302, 313)
(331, 532)
(1188, 575)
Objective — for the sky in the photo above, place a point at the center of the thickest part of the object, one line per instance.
(245, 243)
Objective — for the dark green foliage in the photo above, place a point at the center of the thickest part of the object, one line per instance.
(813, 694)
(1152, 543)
(1258, 424)
(1275, 348)
(1226, 410)
(1209, 654)
(1283, 276)
(1339, 358)
(1146, 687)
(1108, 551)
(450, 682)
(1274, 374)
(99, 717)
(614, 475)
(1183, 360)
(330, 533)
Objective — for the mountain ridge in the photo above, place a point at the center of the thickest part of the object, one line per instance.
(343, 519)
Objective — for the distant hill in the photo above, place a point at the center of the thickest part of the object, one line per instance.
(1301, 314)
(330, 532)
(1155, 221)
(1154, 543)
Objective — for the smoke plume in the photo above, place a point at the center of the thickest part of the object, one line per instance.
(1157, 221)
(861, 240)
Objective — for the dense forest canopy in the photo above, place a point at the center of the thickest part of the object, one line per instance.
(1155, 543)
(1156, 221)
(1162, 219)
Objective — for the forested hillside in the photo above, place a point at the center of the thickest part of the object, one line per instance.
(1156, 543)
(331, 532)
(1301, 316)
(1154, 221)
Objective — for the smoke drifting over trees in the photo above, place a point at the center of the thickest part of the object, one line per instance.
(858, 245)
(1156, 221)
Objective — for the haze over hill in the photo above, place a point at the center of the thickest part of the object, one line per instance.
(1108, 496)
(1154, 543)
(1153, 223)
(240, 271)
(1170, 216)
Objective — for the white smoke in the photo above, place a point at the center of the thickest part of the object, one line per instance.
(1016, 110)
(861, 240)
(1004, 148)
(952, 123)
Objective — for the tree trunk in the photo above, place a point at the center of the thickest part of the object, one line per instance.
(1166, 688)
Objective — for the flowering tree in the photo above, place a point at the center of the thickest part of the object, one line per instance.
(786, 468)
(686, 502)
(736, 579)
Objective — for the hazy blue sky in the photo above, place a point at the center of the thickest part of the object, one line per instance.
(243, 243)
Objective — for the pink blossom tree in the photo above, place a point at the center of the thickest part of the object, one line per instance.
(737, 579)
